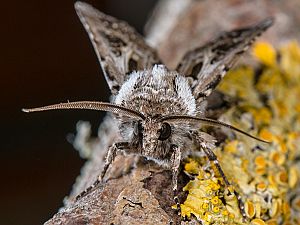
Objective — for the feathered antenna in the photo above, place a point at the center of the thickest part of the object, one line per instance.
(207, 121)
(89, 105)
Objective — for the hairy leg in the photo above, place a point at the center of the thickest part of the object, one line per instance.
(110, 156)
(213, 158)
(175, 160)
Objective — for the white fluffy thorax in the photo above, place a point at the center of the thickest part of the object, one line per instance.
(157, 91)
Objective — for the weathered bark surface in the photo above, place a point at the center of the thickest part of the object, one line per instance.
(130, 199)
(142, 194)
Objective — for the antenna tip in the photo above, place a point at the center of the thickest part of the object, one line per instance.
(268, 142)
(26, 110)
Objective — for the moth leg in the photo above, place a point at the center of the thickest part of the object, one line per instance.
(110, 156)
(175, 160)
(213, 158)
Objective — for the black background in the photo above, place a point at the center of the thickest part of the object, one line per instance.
(46, 58)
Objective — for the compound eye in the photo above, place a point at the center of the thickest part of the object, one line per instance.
(165, 132)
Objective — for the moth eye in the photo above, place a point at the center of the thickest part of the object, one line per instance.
(164, 132)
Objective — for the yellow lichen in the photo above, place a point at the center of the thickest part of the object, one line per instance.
(290, 57)
(274, 210)
(231, 146)
(265, 53)
(249, 209)
(258, 222)
(192, 167)
(260, 161)
(261, 186)
(293, 176)
(272, 222)
(266, 176)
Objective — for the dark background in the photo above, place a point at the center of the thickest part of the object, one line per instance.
(46, 58)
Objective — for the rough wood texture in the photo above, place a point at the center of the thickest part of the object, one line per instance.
(141, 194)
(129, 199)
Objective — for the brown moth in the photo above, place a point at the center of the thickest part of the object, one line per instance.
(158, 110)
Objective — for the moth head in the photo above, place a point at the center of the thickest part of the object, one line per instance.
(152, 132)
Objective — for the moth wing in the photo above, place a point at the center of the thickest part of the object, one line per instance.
(207, 65)
(119, 48)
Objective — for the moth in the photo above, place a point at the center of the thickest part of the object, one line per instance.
(159, 110)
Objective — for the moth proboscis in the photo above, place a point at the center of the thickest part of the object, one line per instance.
(158, 110)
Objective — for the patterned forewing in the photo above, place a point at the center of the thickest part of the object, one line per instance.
(120, 49)
(206, 65)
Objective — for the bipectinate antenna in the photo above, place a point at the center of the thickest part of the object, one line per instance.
(208, 122)
(89, 105)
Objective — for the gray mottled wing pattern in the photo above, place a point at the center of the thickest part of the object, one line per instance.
(120, 49)
(206, 65)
